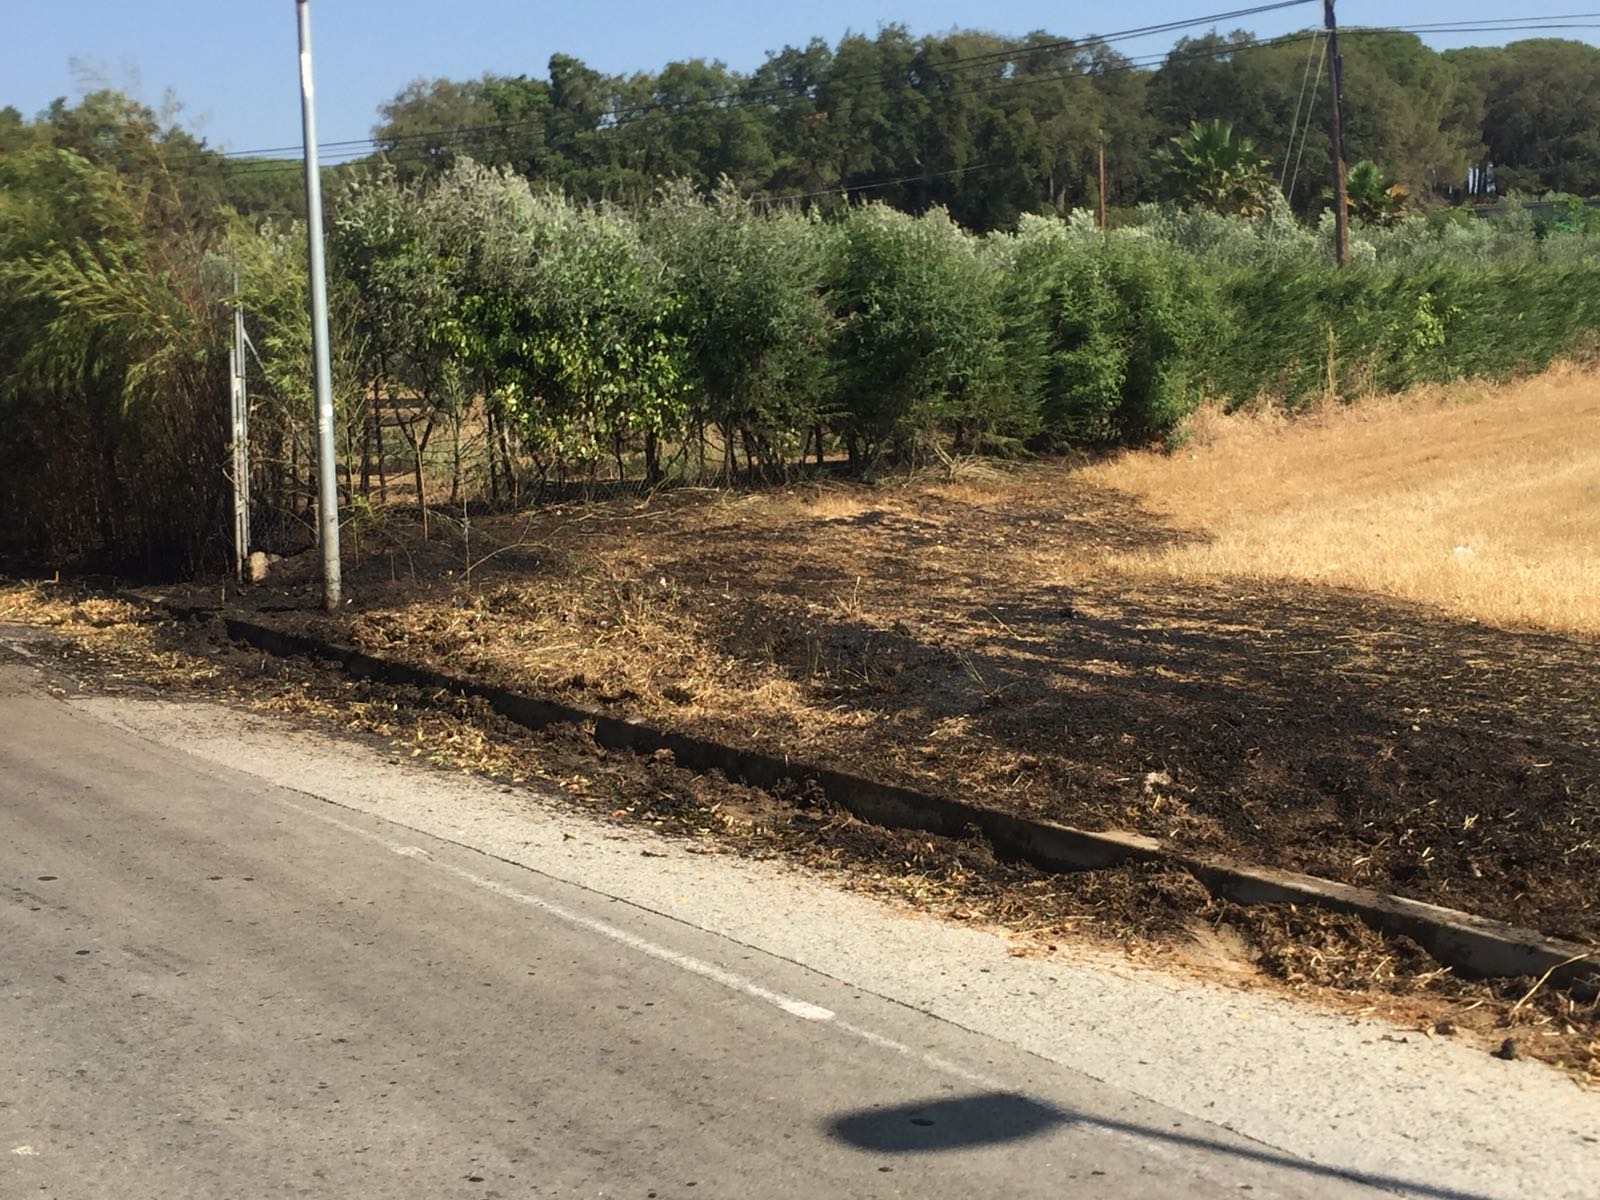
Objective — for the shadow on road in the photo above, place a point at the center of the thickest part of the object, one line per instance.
(956, 1123)
(997, 1118)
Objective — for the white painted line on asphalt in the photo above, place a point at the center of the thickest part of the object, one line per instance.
(728, 979)
(928, 1060)
(738, 983)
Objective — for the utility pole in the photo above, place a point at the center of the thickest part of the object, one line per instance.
(327, 476)
(239, 409)
(1341, 200)
(1102, 181)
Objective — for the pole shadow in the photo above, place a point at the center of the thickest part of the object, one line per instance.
(955, 1123)
(1000, 1118)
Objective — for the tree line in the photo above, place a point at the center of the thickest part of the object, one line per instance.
(990, 127)
(986, 127)
(491, 336)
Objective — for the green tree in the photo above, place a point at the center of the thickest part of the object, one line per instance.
(1406, 107)
(1210, 167)
(1541, 113)
(749, 311)
(429, 121)
(919, 347)
(1119, 326)
(396, 289)
(111, 279)
(561, 321)
(1373, 200)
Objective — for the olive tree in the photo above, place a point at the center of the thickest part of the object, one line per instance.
(919, 341)
(748, 307)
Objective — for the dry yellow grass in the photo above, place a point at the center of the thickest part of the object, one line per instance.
(1482, 500)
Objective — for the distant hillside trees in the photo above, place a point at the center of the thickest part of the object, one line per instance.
(990, 128)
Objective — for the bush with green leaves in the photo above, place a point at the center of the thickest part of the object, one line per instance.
(1296, 334)
(111, 363)
(919, 348)
(1122, 322)
(556, 315)
(1276, 237)
(269, 263)
(748, 309)
(564, 334)
(597, 361)
(1208, 166)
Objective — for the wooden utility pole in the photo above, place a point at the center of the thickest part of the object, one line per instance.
(1341, 200)
(1102, 181)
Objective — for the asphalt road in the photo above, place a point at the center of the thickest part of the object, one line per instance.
(214, 987)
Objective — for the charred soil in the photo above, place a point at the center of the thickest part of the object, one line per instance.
(969, 638)
(1151, 912)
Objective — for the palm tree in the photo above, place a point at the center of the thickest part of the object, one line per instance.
(1208, 166)
(1372, 199)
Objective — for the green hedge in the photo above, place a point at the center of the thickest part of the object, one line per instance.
(1295, 334)
(573, 336)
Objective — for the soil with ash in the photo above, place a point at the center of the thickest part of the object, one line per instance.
(972, 640)
(1150, 911)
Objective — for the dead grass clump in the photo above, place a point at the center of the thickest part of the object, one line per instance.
(619, 629)
(833, 504)
(119, 641)
(1481, 500)
(62, 605)
(1309, 950)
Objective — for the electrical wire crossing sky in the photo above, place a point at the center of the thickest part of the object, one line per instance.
(233, 67)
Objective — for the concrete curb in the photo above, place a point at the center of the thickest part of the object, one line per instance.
(1469, 944)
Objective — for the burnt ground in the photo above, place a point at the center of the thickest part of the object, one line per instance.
(973, 641)
(988, 638)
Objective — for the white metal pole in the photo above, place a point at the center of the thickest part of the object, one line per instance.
(241, 439)
(239, 549)
(327, 478)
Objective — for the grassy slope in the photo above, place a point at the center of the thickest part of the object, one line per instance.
(1481, 500)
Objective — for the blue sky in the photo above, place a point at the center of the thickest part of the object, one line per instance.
(232, 65)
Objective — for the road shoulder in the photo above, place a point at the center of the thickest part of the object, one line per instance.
(1353, 1093)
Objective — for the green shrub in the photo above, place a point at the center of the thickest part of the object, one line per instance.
(1121, 321)
(1300, 333)
(919, 345)
(747, 307)
(111, 362)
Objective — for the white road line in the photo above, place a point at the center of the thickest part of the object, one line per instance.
(728, 979)
(738, 983)
(802, 1009)
(928, 1060)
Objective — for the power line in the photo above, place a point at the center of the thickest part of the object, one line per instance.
(1294, 122)
(459, 133)
(746, 97)
(1305, 135)
(418, 153)
(406, 152)
(1514, 21)
(1455, 27)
